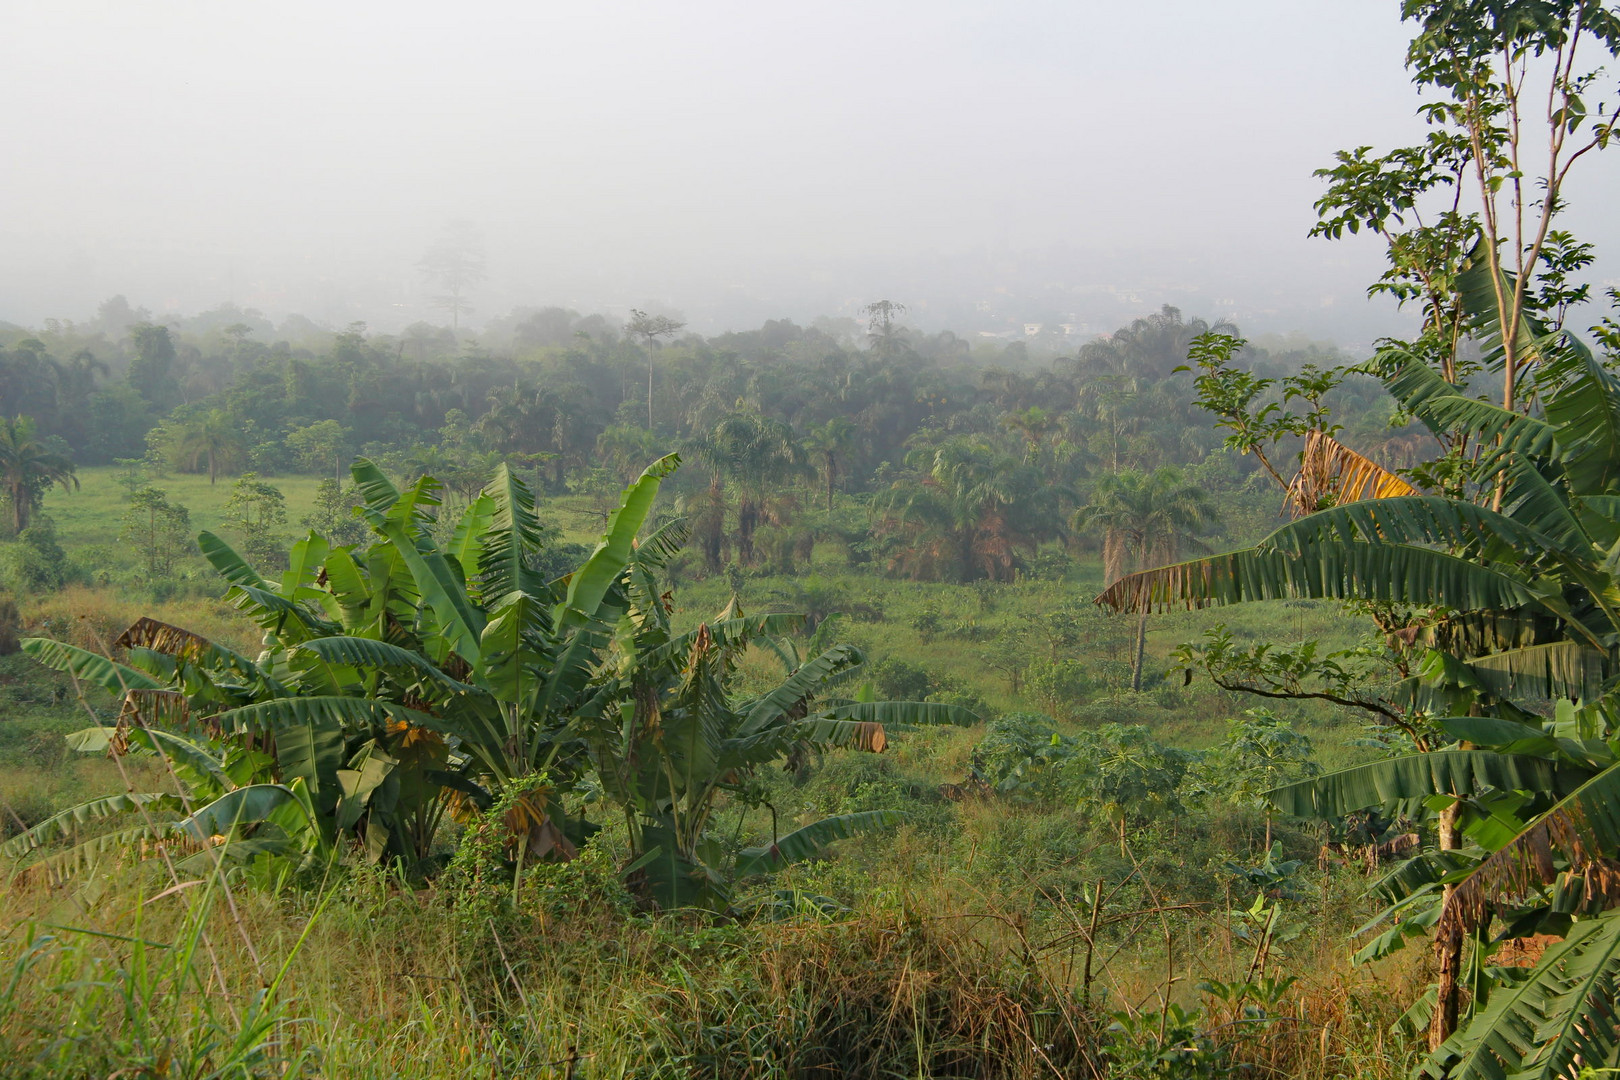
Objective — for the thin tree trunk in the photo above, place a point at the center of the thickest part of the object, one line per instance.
(1141, 646)
(1448, 947)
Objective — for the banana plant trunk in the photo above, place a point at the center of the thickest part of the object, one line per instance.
(1448, 948)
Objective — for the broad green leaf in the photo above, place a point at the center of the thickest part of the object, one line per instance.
(590, 583)
(466, 540)
(459, 620)
(511, 534)
(1393, 573)
(304, 561)
(773, 707)
(1542, 1027)
(812, 840)
(243, 806)
(61, 825)
(89, 666)
(375, 488)
(897, 714)
(362, 652)
(1415, 776)
(231, 566)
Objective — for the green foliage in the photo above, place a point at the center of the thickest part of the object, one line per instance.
(257, 511)
(28, 468)
(1261, 752)
(158, 530)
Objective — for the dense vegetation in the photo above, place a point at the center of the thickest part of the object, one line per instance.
(597, 699)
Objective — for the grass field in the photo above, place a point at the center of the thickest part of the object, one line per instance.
(949, 631)
(948, 946)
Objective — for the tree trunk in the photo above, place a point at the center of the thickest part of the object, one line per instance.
(831, 475)
(1448, 948)
(1141, 647)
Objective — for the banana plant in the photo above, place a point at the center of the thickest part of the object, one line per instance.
(1517, 600)
(1538, 804)
(681, 743)
(396, 674)
(225, 812)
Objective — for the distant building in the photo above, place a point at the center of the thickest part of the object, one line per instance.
(1033, 328)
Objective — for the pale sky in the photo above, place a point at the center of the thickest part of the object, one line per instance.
(731, 161)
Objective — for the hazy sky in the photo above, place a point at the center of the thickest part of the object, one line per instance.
(732, 161)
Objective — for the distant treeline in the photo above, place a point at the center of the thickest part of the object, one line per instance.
(944, 438)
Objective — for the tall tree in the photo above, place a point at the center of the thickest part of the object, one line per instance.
(152, 368)
(1508, 120)
(455, 263)
(649, 328)
(883, 330)
(830, 442)
(28, 469)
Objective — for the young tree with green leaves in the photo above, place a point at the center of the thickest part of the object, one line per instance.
(1473, 208)
(257, 511)
(320, 446)
(160, 531)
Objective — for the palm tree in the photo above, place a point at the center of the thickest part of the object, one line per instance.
(829, 442)
(757, 456)
(28, 469)
(1143, 517)
(969, 510)
(212, 438)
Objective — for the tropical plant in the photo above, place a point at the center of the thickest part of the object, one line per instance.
(683, 738)
(967, 511)
(28, 468)
(1143, 517)
(400, 674)
(1512, 602)
(211, 439)
(756, 457)
(830, 443)
(160, 531)
(403, 679)
(1261, 752)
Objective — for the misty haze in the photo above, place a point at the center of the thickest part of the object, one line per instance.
(759, 541)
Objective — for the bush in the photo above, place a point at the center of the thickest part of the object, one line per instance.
(1060, 685)
(896, 680)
